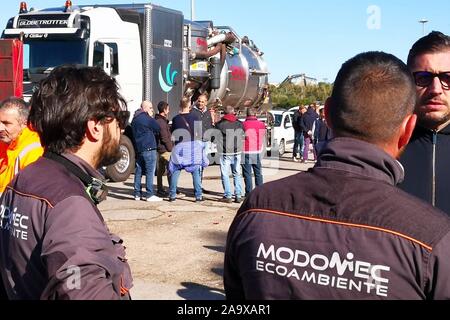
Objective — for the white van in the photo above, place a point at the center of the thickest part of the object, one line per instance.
(281, 133)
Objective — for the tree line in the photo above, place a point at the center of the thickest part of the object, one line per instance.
(291, 95)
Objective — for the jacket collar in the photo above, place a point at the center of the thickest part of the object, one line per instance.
(83, 165)
(230, 117)
(419, 129)
(196, 108)
(138, 113)
(362, 158)
(158, 116)
(446, 130)
(23, 135)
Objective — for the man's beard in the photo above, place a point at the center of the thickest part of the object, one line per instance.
(430, 120)
(109, 152)
(433, 123)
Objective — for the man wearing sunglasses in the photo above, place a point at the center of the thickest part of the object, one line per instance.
(54, 243)
(427, 156)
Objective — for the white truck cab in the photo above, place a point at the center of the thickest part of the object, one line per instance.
(152, 52)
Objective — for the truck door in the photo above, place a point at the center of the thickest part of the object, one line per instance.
(105, 56)
(289, 131)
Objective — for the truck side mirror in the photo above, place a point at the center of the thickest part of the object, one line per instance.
(103, 57)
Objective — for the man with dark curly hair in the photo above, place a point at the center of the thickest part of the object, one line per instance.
(54, 243)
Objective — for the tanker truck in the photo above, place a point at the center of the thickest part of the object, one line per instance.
(152, 52)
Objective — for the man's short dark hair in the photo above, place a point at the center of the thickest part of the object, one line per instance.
(251, 112)
(185, 103)
(18, 103)
(228, 110)
(67, 99)
(434, 42)
(162, 106)
(372, 95)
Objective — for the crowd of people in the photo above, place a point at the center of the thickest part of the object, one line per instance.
(310, 128)
(344, 229)
(185, 144)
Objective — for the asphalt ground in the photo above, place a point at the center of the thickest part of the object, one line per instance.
(176, 249)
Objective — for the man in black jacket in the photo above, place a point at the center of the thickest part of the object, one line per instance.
(308, 120)
(427, 157)
(165, 146)
(205, 124)
(343, 230)
(230, 147)
(299, 129)
(200, 109)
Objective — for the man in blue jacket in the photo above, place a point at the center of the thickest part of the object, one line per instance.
(145, 133)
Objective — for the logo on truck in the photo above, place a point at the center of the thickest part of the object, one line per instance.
(43, 21)
(167, 83)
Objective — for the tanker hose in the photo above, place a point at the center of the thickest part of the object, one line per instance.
(208, 54)
(227, 38)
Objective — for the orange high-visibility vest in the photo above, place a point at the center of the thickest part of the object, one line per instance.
(18, 154)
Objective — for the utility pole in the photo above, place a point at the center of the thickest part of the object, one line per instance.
(192, 10)
(423, 21)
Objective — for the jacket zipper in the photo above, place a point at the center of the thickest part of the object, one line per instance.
(433, 191)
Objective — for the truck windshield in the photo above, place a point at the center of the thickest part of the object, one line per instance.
(42, 55)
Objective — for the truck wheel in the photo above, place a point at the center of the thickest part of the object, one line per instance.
(282, 148)
(121, 170)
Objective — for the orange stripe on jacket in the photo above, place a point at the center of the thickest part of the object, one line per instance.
(339, 223)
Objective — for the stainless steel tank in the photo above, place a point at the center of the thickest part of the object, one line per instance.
(257, 80)
(233, 81)
(244, 77)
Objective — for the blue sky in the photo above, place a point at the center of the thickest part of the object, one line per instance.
(303, 36)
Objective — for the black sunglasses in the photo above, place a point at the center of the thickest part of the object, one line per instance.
(425, 78)
(122, 118)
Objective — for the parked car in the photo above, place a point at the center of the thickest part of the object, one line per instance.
(281, 133)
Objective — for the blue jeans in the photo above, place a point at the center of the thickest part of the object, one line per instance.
(233, 161)
(196, 180)
(207, 150)
(251, 161)
(299, 142)
(145, 164)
